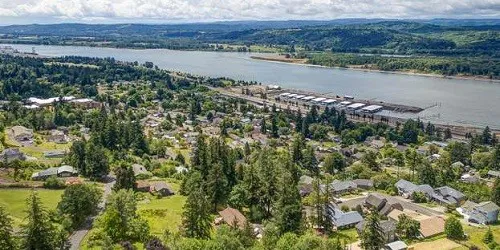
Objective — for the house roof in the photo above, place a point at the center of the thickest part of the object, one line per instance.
(394, 214)
(406, 186)
(448, 191)
(487, 206)
(11, 152)
(66, 168)
(397, 245)
(375, 201)
(431, 226)
(494, 173)
(341, 219)
(139, 169)
(305, 179)
(363, 182)
(426, 189)
(338, 186)
(160, 185)
(19, 130)
(386, 226)
(232, 216)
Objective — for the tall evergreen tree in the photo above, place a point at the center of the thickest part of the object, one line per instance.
(268, 177)
(125, 177)
(96, 161)
(200, 158)
(371, 236)
(217, 186)
(196, 219)
(39, 233)
(289, 206)
(6, 233)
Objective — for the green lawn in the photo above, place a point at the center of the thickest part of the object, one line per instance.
(349, 235)
(38, 150)
(14, 201)
(476, 235)
(164, 213)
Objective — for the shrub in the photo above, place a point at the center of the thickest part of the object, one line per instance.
(53, 183)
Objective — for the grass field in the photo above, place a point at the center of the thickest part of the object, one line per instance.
(476, 235)
(38, 150)
(164, 213)
(14, 201)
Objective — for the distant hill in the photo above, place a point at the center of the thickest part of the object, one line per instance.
(436, 36)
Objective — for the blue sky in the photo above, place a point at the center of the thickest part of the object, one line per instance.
(169, 11)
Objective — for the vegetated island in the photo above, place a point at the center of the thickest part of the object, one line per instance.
(421, 66)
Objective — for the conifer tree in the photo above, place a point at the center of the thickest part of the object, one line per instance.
(6, 231)
(39, 233)
(371, 236)
(289, 206)
(196, 219)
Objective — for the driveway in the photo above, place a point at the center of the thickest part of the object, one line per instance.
(77, 237)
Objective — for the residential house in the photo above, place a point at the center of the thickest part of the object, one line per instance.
(364, 183)
(376, 144)
(21, 133)
(11, 154)
(340, 219)
(388, 229)
(305, 185)
(161, 188)
(340, 187)
(54, 154)
(57, 136)
(142, 186)
(396, 245)
(140, 170)
(448, 195)
(381, 205)
(62, 171)
(493, 174)
(431, 226)
(232, 217)
(406, 189)
(482, 213)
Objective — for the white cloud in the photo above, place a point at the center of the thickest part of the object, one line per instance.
(204, 10)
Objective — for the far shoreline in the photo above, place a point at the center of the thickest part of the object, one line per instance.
(291, 61)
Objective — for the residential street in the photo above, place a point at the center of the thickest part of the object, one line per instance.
(77, 237)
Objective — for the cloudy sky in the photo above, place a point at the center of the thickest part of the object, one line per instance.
(168, 11)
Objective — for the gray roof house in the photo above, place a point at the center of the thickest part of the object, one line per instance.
(62, 171)
(405, 188)
(339, 187)
(341, 219)
(482, 213)
(494, 174)
(363, 183)
(375, 202)
(448, 195)
(11, 154)
(396, 245)
(139, 170)
(388, 229)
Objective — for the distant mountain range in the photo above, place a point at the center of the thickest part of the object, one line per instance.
(453, 37)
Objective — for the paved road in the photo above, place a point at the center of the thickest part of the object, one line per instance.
(77, 237)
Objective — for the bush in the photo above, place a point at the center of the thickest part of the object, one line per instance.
(53, 183)
(418, 197)
(453, 229)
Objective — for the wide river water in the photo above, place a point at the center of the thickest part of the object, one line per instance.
(459, 102)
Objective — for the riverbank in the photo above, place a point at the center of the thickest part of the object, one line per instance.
(304, 62)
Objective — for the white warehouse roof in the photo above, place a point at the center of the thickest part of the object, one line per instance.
(284, 94)
(319, 99)
(307, 98)
(372, 108)
(299, 96)
(328, 101)
(344, 103)
(356, 106)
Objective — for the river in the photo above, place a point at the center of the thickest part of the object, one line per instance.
(459, 102)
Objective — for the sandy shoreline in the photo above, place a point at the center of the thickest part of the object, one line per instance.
(275, 59)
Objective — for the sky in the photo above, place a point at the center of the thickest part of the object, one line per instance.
(179, 11)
